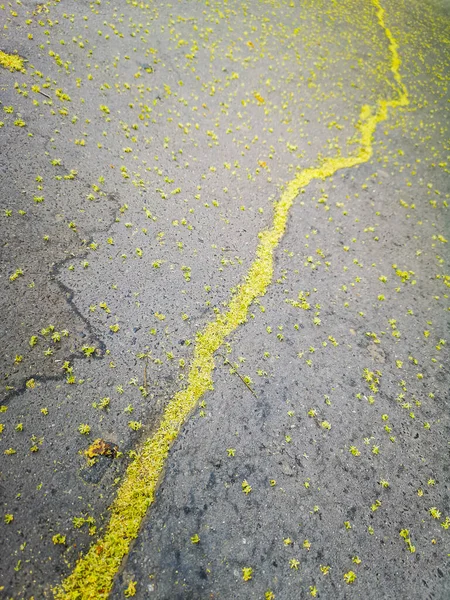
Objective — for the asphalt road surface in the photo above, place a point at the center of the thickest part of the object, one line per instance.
(224, 300)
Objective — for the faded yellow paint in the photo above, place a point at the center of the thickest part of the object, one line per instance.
(93, 575)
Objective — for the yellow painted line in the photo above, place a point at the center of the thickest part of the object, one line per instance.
(92, 577)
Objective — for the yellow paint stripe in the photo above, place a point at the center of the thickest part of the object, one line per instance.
(92, 577)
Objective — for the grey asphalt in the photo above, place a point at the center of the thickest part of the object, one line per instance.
(133, 185)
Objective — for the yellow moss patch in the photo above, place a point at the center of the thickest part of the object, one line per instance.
(13, 62)
(93, 575)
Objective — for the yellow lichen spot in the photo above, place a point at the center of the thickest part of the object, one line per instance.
(59, 539)
(101, 448)
(349, 577)
(12, 62)
(131, 589)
